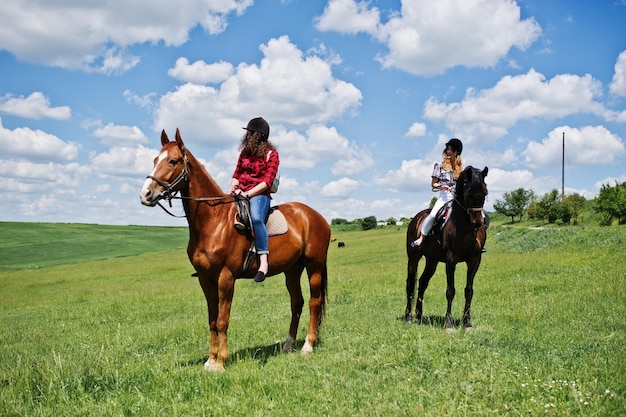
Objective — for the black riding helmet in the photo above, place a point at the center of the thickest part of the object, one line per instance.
(456, 145)
(258, 124)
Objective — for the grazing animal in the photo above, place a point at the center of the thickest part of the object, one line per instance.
(341, 244)
(461, 240)
(217, 250)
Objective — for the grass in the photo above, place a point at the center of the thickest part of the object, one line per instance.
(127, 335)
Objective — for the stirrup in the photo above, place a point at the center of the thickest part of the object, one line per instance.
(238, 225)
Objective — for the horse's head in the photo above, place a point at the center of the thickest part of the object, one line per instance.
(169, 173)
(471, 191)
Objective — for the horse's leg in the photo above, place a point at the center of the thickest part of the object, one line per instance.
(450, 292)
(292, 281)
(411, 275)
(427, 274)
(318, 280)
(219, 299)
(472, 268)
(210, 293)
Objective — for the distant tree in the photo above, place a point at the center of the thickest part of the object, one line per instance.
(611, 203)
(392, 221)
(339, 221)
(547, 207)
(576, 204)
(369, 223)
(514, 203)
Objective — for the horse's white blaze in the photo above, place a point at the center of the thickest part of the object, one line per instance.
(145, 188)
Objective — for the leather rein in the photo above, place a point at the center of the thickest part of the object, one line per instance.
(170, 194)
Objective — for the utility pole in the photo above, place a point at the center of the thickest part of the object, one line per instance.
(563, 170)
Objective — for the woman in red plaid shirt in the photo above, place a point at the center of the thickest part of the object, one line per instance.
(256, 169)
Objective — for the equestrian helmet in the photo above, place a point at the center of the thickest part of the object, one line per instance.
(456, 145)
(258, 124)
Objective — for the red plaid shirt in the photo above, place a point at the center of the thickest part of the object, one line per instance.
(251, 171)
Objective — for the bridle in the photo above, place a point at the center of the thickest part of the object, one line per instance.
(169, 193)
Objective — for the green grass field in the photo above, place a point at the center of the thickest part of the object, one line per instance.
(106, 321)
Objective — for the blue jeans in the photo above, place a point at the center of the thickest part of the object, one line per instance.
(259, 207)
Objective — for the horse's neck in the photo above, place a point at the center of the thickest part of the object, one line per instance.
(201, 184)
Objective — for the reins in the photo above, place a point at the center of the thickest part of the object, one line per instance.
(170, 194)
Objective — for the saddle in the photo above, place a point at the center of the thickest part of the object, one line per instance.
(441, 219)
(275, 221)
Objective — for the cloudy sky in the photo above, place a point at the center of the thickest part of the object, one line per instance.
(360, 96)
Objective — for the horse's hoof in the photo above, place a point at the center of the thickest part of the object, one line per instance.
(289, 344)
(468, 328)
(449, 330)
(213, 366)
(307, 349)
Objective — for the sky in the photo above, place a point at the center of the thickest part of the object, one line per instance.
(361, 97)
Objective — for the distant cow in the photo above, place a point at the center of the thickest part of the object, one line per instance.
(333, 239)
(341, 245)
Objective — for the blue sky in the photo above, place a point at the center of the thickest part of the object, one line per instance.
(360, 97)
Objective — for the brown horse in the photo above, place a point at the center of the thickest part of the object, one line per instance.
(217, 250)
(461, 240)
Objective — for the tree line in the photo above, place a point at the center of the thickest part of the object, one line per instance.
(610, 203)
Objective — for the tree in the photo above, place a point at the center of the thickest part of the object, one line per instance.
(369, 223)
(339, 221)
(514, 203)
(611, 203)
(576, 204)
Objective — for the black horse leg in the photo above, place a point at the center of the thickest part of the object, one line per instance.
(469, 293)
(427, 274)
(411, 275)
(450, 292)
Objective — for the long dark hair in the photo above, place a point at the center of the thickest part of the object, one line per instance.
(255, 144)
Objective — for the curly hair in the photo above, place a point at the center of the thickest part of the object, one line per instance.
(453, 164)
(255, 144)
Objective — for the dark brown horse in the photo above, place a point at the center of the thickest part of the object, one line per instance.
(461, 240)
(217, 251)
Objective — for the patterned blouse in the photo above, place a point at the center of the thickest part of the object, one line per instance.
(445, 177)
(251, 171)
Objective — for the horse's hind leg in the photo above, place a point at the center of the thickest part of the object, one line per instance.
(318, 281)
(292, 281)
(411, 276)
(450, 292)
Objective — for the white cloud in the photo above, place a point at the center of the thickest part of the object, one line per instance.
(200, 72)
(93, 36)
(348, 16)
(285, 88)
(618, 84)
(416, 130)
(341, 188)
(588, 145)
(35, 106)
(35, 145)
(486, 115)
(120, 135)
(124, 161)
(34, 177)
(474, 33)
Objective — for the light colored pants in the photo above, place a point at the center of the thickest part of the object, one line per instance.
(429, 221)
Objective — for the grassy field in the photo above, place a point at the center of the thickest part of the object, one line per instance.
(122, 330)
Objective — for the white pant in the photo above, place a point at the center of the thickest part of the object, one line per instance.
(429, 221)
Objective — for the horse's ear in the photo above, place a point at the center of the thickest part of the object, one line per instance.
(164, 138)
(485, 171)
(179, 140)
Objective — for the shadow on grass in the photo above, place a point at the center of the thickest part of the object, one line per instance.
(433, 321)
(259, 353)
